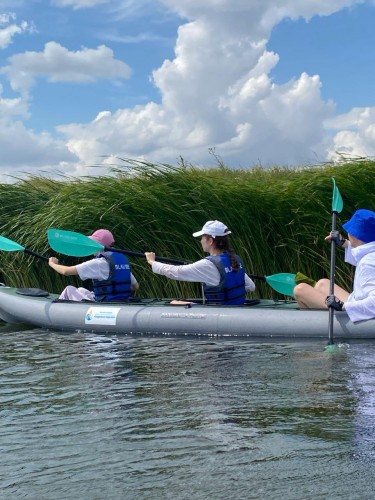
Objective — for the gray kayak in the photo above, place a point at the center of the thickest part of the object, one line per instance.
(256, 319)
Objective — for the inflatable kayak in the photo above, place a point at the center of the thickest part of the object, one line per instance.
(257, 318)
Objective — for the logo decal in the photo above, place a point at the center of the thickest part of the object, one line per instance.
(101, 315)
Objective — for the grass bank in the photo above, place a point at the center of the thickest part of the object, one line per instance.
(278, 217)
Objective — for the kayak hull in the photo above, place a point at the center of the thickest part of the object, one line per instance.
(267, 318)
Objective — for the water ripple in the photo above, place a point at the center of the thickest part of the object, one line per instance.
(93, 417)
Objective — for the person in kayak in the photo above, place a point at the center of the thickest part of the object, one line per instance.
(222, 273)
(360, 252)
(110, 272)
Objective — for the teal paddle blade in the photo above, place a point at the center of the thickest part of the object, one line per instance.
(9, 245)
(71, 243)
(337, 203)
(283, 283)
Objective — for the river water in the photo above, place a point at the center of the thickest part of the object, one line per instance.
(91, 417)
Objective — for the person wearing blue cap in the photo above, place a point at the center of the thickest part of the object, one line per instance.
(360, 252)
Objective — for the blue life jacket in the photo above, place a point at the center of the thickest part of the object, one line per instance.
(231, 289)
(117, 286)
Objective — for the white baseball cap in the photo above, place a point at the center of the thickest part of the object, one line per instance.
(213, 228)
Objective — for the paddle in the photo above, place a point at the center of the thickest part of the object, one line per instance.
(283, 283)
(78, 245)
(11, 246)
(337, 206)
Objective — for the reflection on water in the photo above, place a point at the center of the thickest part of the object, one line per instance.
(100, 417)
(362, 384)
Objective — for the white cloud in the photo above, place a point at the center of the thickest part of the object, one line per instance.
(355, 135)
(78, 4)
(11, 28)
(6, 17)
(256, 121)
(216, 93)
(57, 64)
(38, 150)
(264, 13)
(22, 150)
(124, 8)
(134, 39)
(10, 108)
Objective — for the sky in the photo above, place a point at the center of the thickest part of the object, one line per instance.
(245, 82)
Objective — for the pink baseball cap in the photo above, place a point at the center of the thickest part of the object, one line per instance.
(103, 236)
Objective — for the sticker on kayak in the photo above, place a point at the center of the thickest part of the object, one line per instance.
(101, 315)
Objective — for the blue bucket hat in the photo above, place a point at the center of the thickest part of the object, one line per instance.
(362, 225)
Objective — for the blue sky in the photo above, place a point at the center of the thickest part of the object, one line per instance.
(85, 81)
(337, 47)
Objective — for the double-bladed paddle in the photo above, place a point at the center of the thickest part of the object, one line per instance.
(11, 246)
(79, 245)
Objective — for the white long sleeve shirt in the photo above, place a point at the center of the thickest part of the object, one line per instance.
(202, 271)
(361, 302)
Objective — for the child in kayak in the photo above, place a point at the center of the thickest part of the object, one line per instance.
(110, 272)
(360, 252)
(222, 273)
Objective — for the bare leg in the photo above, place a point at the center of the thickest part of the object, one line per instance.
(309, 297)
(323, 287)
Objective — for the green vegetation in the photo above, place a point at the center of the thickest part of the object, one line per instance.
(279, 217)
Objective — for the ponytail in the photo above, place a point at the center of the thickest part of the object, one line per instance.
(222, 243)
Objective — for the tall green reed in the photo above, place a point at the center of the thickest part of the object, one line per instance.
(279, 217)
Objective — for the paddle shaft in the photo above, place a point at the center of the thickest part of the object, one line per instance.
(256, 277)
(332, 280)
(132, 253)
(34, 254)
